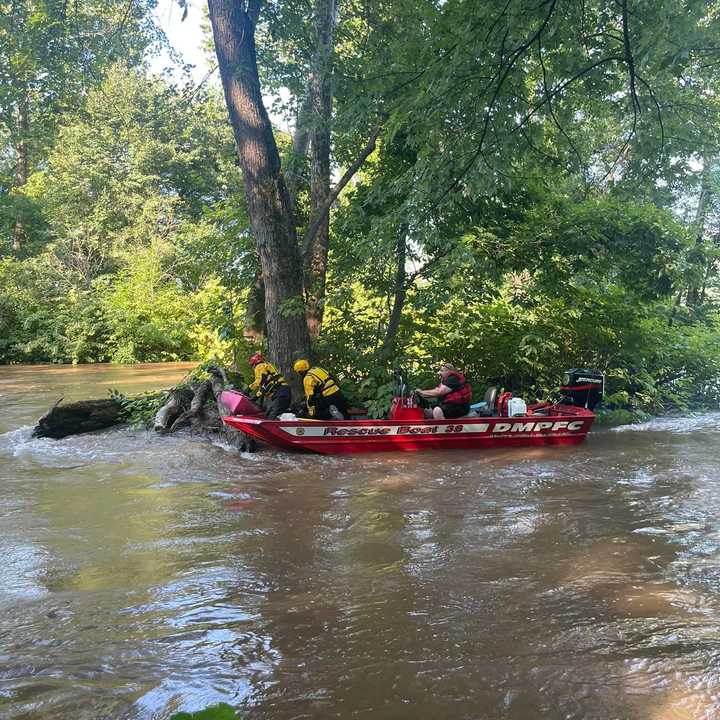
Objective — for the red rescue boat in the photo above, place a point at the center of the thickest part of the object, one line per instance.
(563, 423)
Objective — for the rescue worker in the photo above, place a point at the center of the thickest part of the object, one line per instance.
(323, 398)
(270, 386)
(453, 391)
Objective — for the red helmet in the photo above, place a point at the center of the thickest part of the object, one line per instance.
(253, 360)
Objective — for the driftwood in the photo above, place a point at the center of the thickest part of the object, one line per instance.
(200, 393)
(178, 400)
(194, 415)
(198, 407)
(78, 417)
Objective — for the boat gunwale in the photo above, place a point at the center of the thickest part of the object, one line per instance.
(575, 412)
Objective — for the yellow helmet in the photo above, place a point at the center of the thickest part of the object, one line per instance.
(301, 366)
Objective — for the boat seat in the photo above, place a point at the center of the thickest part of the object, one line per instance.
(489, 400)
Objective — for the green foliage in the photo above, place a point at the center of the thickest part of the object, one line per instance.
(139, 410)
(221, 711)
(51, 54)
(124, 200)
(651, 365)
(150, 317)
(620, 416)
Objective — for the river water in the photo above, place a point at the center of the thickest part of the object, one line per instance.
(144, 575)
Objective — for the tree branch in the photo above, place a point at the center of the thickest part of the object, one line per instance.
(629, 59)
(299, 150)
(550, 107)
(497, 20)
(514, 57)
(659, 112)
(344, 180)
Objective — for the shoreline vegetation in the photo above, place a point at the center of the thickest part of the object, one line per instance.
(540, 196)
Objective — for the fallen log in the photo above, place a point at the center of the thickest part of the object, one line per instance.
(198, 406)
(78, 417)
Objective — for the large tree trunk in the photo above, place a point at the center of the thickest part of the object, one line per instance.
(199, 407)
(22, 169)
(60, 421)
(268, 201)
(320, 93)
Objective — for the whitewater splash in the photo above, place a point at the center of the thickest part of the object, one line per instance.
(90, 447)
(175, 458)
(707, 422)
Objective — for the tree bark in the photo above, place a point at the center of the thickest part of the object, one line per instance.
(269, 208)
(177, 403)
(341, 183)
(78, 417)
(22, 169)
(301, 140)
(254, 325)
(320, 93)
(694, 292)
(400, 292)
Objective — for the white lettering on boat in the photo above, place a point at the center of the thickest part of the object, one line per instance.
(357, 431)
(417, 429)
(478, 428)
(522, 427)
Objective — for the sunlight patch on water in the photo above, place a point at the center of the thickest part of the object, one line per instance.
(21, 570)
(678, 694)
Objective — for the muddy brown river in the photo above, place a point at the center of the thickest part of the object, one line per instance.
(143, 575)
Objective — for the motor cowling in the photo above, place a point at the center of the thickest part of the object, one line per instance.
(582, 388)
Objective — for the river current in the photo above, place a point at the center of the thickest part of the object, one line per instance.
(144, 575)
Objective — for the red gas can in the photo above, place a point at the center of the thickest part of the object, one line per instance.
(405, 408)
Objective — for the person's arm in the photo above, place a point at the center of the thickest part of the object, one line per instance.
(309, 383)
(437, 392)
(255, 386)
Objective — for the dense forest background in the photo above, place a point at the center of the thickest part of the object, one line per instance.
(515, 187)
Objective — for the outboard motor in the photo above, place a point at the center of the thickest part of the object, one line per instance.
(582, 387)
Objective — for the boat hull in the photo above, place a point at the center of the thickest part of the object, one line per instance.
(564, 425)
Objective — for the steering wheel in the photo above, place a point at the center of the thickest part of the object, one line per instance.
(420, 401)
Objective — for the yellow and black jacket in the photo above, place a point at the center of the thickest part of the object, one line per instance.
(267, 380)
(318, 383)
